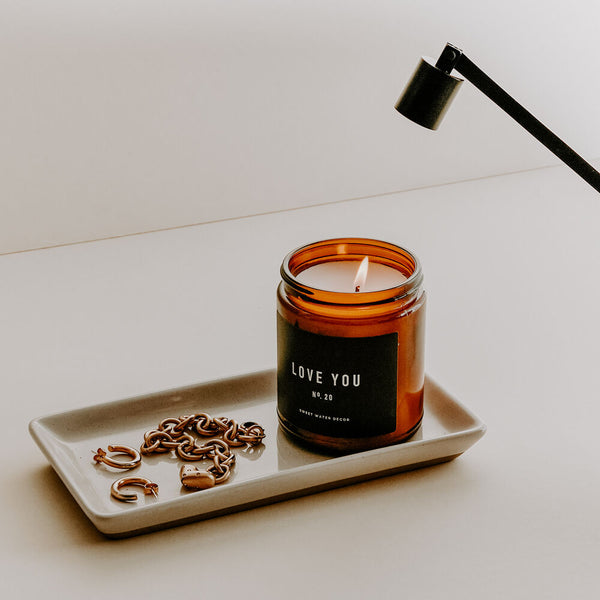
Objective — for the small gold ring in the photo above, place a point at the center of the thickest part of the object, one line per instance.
(136, 458)
(149, 488)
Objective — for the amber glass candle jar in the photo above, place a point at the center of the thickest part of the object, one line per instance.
(350, 364)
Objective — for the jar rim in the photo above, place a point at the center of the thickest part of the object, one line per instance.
(382, 252)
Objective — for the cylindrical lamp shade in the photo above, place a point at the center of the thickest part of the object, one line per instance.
(428, 95)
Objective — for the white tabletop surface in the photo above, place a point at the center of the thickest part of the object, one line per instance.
(512, 271)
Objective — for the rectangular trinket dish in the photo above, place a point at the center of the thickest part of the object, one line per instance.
(277, 470)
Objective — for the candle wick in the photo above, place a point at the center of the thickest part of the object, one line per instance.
(357, 288)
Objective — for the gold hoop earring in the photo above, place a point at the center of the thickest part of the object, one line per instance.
(149, 488)
(136, 458)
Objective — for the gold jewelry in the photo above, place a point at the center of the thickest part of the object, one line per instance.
(174, 434)
(195, 478)
(136, 459)
(149, 488)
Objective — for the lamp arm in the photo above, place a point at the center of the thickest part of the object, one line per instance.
(454, 58)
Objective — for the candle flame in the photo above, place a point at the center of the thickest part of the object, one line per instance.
(361, 274)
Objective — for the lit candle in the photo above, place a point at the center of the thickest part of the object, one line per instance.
(350, 344)
(344, 276)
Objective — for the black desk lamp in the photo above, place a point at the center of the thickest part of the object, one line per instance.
(428, 94)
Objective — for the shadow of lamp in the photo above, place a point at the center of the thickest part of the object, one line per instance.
(431, 89)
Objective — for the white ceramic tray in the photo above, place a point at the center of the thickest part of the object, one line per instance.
(279, 470)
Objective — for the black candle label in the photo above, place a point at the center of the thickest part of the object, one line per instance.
(337, 386)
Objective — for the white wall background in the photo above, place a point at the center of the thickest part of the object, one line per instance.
(124, 116)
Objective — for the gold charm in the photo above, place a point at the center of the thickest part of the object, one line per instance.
(195, 478)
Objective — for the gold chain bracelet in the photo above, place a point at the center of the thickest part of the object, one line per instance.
(175, 434)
